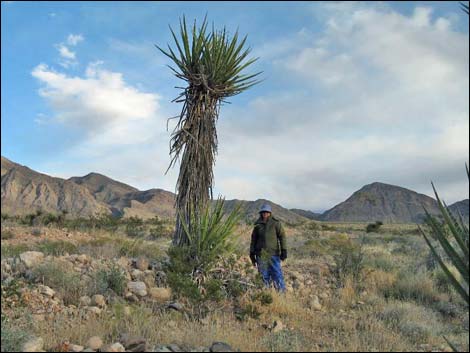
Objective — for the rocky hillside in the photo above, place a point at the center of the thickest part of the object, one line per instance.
(24, 191)
(462, 208)
(382, 202)
(104, 189)
(307, 214)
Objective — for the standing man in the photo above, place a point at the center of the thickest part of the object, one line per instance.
(268, 248)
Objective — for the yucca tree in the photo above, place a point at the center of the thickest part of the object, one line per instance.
(212, 64)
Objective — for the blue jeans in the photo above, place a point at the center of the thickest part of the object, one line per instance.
(271, 272)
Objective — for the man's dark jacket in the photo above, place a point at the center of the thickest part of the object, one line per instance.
(268, 236)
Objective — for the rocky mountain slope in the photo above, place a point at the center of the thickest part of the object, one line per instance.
(382, 202)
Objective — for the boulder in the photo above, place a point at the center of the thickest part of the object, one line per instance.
(95, 343)
(32, 258)
(47, 291)
(161, 295)
(133, 343)
(138, 288)
(142, 264)
(98, 300)
(221, 347)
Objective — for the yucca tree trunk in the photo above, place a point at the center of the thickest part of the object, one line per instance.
(195, 181)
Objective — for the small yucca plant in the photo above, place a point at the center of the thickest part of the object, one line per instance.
(455, 245)
(211, 235)
(453, 236)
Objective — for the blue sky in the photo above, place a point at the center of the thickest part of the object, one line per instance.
(353, 93)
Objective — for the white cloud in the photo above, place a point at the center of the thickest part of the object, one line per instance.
(101, 103)
(65, 52)
(67, 56)
(378, 96)
(74, 39)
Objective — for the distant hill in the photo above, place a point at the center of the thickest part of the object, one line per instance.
(251, 209)
(25, 191)
(307, 214)
(382, 202)
(462, 208)
(104, 189)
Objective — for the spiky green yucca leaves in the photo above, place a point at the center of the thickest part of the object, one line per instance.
(211, 235)
(456, 246)
(212, 64)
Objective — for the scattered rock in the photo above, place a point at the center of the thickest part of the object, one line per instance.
(315, 303)
(133, 343)
(32, 258)
(176, 306)
(277, 326)
(76, 348)
(94, 309)
(138, 288)
(85, 300)
(161, 348)
(115, 347)
(161, 295)
(137, 275)
(98, 300)
(35, 344)
(221, 347)
(83, 258)
(47, 291)
(142, 264)
(95, 343)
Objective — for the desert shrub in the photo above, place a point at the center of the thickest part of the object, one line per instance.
(328, 227)
(247, 311)
(57, 247)
(7, 234)
(264, 297)
(373, 227)
(36, 232)
(61, 278)
(13, 337)
(418, 287)
(381, 261)
(448, 309)
(349, 258)
(107, 279)
(285, 341)
(414, 322)
(14, 250)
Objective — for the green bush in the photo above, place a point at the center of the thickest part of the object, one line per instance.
(62, 279)
(13, 338)
(248, 311)
(383, 261)
(7, 234)
(349, 258)
(265, 298)
(14, 250)
(56, 247)
(373, 227)
(417, 287)
(108, 279)
(414, 322)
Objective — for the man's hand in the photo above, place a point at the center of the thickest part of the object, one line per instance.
(253, 259)
(283, 255)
